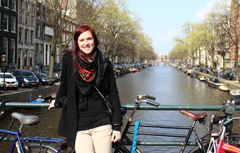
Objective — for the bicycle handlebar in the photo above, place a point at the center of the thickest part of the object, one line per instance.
(150, 97)
(144, 99)
(228, 121)
(152, 103)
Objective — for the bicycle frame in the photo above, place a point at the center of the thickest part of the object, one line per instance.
(129, 123)
(19, 141)
(219, 146)
(17, 138)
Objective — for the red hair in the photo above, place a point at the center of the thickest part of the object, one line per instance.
(76, 51)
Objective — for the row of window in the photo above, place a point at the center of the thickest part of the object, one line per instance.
(5, 22)
(26, 35)
(10, 51)
(7, 4)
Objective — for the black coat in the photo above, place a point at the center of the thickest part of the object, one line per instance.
(69, 116)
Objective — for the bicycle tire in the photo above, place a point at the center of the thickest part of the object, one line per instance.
(36, 148)
(197, 149)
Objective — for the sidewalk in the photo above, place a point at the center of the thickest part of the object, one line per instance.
(23, 94)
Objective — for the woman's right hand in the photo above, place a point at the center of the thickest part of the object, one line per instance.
(52, 104)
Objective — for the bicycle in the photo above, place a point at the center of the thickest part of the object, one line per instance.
(31, 144)
(121, 146)
(224, 140)
(220, 146)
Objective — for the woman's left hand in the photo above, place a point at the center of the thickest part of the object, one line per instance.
(116, 135)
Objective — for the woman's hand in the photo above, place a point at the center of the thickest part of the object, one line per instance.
(52, 104)
(116, 135)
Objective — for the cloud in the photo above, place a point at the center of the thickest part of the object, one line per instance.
(201, 14)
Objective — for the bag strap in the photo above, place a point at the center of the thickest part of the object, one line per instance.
(99, 92)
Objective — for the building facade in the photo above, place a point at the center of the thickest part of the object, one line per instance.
(26, 33)
(8, 31)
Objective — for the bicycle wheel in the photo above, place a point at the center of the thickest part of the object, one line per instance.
(197, 149)
(40, 148)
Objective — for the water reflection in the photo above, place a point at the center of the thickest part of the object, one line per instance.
(169, 85)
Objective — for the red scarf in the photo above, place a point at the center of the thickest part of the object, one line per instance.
(87, 75)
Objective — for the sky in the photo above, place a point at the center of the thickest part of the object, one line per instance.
(162, 20)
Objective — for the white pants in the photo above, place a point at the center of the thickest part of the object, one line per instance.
(96, 140)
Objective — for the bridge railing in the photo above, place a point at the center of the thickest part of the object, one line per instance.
(128, 106)
(131, 107)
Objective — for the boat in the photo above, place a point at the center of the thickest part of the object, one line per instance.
(189, 71)
(48, 98)
(214, 82)
(137, 70)
(235, 94)
(192, 74)
(132, 70)
(224, 88)
(202, 78)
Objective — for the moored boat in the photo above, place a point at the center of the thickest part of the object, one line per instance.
(224, 88)
(214, 82)
(132, 70)
(202, 78)
(235, 94)
(137, 70)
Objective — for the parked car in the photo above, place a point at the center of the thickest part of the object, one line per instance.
(10, 80)
(230, 75)
(56, 76)
(43, 79)
(25, 78)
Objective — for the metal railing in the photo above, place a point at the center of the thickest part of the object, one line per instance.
(127, 106)
(131, 107)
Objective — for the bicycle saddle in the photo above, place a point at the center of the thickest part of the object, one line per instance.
(25, 119)
(194, 116)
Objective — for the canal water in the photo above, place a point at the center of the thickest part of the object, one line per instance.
(169, 85)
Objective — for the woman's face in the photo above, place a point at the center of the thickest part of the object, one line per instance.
(86, 42)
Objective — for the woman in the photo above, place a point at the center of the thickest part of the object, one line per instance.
(84, 121)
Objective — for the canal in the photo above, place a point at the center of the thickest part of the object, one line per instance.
(169, 85)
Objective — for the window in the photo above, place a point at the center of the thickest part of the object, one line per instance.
(12, 52)
(26, 36)
(38, 31)
(20, 18)
(5, 3)
(25, 57)
(13, 5)
(5, 45)
(31, 37)
(13, 24)
(27, 19)
(31, 58)
(5, 22)
(20, 35)
(32, 21)
(20, 4)
(26, 6)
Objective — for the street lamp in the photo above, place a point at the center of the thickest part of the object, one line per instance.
(3, 64)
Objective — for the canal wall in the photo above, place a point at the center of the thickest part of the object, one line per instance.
(233, 84)
(25, 94)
